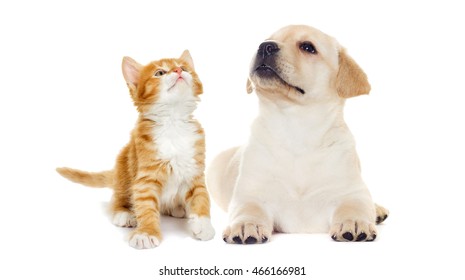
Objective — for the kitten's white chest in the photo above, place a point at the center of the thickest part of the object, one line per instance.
(175, 136)
(175, 142)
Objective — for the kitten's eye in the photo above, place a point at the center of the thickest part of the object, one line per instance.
(184, 69)
(160, 73)
(308, 47)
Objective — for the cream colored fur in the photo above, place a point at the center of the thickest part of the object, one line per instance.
(299, 171)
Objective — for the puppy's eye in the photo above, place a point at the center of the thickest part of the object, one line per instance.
(159, 73)
(308, 47)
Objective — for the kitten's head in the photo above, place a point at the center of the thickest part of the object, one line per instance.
(164, 81)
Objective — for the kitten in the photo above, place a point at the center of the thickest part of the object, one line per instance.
(161, 169)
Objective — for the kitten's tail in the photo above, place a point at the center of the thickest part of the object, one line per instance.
(90, 179)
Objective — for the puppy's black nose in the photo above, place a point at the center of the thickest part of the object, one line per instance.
(267, 48)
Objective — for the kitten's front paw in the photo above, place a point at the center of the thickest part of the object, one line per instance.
(141, 240)
(124, 219)
(353, 230)
(201, 228)
(246, 233)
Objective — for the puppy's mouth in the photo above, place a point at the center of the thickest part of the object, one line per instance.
(266, 71)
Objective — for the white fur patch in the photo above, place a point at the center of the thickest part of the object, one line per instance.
(124, 219)
(143, 241)
(176, 143)
(175, 137)
(201, 228)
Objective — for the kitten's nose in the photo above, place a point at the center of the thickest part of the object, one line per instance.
(178, 70)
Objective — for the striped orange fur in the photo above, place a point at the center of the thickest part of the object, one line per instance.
(161, 169)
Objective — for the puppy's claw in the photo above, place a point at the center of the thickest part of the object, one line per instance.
(248, 233)
(361, 237)
(351, 230)
(381, 214)
(380, 219)
(348, 236)
(373, 237)
(237, 240)
(250, 240)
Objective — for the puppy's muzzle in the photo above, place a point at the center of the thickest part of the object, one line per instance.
(265, 65)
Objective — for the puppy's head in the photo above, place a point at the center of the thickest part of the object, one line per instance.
(300, 64)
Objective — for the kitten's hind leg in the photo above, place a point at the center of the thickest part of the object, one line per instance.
(198, 210)
(178, 212)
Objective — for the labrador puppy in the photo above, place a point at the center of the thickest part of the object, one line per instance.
(299, 171)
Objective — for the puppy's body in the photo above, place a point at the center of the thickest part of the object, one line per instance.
(299, 171)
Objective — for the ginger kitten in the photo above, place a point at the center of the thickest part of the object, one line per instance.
(161, 169)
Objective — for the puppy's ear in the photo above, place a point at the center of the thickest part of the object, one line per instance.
(351, 80)
(249, 86)
(131, 72)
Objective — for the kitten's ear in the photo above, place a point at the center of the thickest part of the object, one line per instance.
(131, 72)
(249, 86)
(186, 56)
(351, 80)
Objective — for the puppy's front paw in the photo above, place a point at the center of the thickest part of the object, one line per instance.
(353, 230)
(201, 228)
(246, 233)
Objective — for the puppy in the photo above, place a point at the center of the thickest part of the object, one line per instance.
(299, 171)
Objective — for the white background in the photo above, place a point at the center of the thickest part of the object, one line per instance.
(64, 103)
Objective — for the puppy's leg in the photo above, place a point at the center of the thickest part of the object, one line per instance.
(222, 175)
(381, 214)
(250, 224)
(354, 220)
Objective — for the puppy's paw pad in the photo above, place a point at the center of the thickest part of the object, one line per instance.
(124, 219)
(201, 228)
(143, 241)
(247, 233)
(350, 230)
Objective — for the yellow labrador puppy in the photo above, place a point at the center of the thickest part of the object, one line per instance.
(299, 171)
